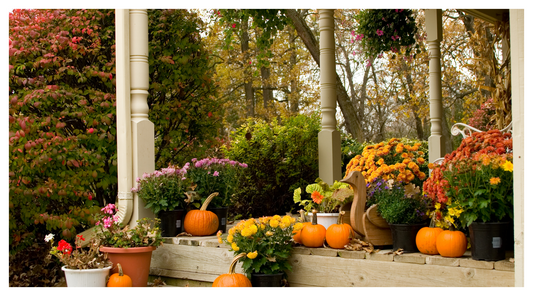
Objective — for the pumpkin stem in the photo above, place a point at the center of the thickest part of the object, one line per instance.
(339, 220)
(234, 262)
(120, 272)
(432, 221)
(207, 201)
(314, 217)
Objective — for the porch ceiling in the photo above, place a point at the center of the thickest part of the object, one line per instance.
(489, 15)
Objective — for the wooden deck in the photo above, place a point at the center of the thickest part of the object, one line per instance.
(197, 261)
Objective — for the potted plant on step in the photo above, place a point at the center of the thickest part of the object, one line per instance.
(83, 267)
(474, 184)
(131, 247)
(327, 199)
(403, 207)
(267, 243)
(211, 175)
(163, 191)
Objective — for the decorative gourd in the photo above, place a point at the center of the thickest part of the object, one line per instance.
(232, 279)
(201, 222)
(451, 243)
(426, 239)
(338, 235)
(313, 235)
(119, 279)
(297, 234)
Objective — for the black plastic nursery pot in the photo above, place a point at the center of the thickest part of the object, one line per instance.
(489, 240)
(404, 236)
(171, 222)
(222, 214)
(266, 280)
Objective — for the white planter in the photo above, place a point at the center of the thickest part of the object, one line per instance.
(325, 219)
(86, 277)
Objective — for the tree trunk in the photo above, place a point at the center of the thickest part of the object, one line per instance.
(267, 91)
(294, 96)
(345, 104)
(248, 91)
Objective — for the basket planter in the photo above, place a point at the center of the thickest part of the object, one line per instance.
(135, 262)
(86, 277)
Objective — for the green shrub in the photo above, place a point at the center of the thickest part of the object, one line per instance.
(280, 156)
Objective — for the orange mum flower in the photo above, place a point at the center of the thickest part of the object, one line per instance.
(495, 181)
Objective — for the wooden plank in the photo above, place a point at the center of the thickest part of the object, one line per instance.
(341, 272)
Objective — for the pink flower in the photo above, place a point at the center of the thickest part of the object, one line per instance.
(379, 32)
(209, 114)
(91, 130)
(215, 174)
(233, 25)
(90, 197)
(353, 33)
(359, 37)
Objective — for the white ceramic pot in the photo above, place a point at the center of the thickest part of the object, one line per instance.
(325, 219)
(86, 277)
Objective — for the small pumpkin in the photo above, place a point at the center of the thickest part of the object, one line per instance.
(451, 243)
(338, 235)
(297, 234)
(426, 239)
(201, 222)
(119, 279)
(313, 235)
(232, 279)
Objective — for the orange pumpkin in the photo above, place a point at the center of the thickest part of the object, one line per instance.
(313, 235)
(297, 234)
(201, 222)
(119, 279)
(338, 235)
(426, 239)
(232, 279)
(451, 243)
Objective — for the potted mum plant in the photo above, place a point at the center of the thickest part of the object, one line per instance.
(403, 207)
(131, 247)
(474, 186)
(327, 199)
(163, 191)
(267, 243)
(210, 175)
(83, 267)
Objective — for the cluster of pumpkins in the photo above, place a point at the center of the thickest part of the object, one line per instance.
(436, 241)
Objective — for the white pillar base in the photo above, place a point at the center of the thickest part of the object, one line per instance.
(329, 156)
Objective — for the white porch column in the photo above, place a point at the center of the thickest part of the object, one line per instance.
(329, 140)
(516, 22)
(434, 37)
(142, 130)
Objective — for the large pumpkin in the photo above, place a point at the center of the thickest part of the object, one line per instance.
(119, 279)
(232, 279)
(297, 234)
(426, 240)
(313, 235)
(451, 243)
(338, 235)
(201, 222)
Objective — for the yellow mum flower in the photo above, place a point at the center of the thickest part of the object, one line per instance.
(262, 226)
(286, 219)
(437, 206)
(269, 233)
(253, 229)
(230, 238)
(249, 222)
(298, 226)
(283, 225)
(220, 240)
(274, 223)
(276, 217)
(495, 181)
(252, 255)
(246, 232)
(234, 247)
(508, 166)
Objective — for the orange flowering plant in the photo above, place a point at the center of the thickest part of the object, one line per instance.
(324, 198)
(267, 243)
(474, 183)
(402, 160)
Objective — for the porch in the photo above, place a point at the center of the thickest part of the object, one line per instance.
(197, 261)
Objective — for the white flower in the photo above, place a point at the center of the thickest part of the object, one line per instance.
(49, 237)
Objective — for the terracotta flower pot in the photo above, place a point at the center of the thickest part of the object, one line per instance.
(135, 262)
